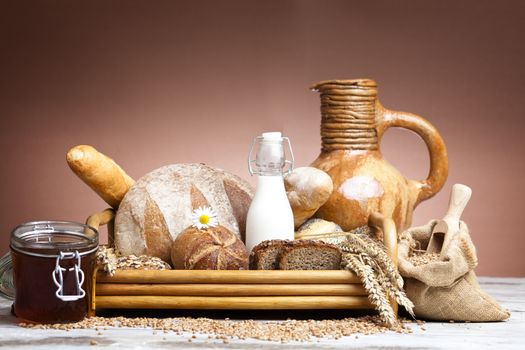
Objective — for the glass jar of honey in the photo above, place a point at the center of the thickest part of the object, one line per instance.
(53, 265)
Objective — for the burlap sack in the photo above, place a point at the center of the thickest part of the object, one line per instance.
(446, 289)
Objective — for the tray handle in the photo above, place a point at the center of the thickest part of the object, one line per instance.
(106, 217)
(388, 227)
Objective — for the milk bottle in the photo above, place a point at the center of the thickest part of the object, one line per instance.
(270, 215)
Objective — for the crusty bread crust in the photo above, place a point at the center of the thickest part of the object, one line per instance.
(213, 248)
(307, 189)
(259, 259)
(99, 172)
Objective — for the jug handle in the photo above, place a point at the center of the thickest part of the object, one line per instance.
(438, 172)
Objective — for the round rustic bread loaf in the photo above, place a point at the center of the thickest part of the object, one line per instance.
(159, 206)
(212, 248)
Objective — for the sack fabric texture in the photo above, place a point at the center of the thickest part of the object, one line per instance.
(446, 289)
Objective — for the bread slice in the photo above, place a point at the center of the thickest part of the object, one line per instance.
(304, 254)
(309, 255)
(264, 256)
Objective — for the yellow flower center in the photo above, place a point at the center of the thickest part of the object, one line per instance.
(204, 219)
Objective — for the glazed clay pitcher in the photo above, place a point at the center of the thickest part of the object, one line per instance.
(353, 122)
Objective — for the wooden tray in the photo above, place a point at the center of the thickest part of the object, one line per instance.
(235, 290)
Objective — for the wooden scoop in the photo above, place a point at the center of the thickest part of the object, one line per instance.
(446, 228)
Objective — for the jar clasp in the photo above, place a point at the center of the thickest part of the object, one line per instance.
(58, 277)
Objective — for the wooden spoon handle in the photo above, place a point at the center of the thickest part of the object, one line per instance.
(458, 201)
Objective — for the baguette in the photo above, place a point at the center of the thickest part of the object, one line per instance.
(100, 173)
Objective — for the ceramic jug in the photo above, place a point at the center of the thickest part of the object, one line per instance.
(353, 122)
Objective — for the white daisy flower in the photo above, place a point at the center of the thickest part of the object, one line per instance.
(204, 217)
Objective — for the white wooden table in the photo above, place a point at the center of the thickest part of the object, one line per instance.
(504, 335)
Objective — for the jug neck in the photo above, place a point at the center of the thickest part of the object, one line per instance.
(348, 114)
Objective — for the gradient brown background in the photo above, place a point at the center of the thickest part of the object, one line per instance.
(158, 82)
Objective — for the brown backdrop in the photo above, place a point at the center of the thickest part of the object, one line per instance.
(158, 82)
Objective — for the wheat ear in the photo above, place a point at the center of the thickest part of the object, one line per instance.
(383, 259)
(375, 250)
(375, 292)
(397, 293)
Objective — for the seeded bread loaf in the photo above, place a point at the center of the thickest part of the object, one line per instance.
(159, 206)
(295, 255)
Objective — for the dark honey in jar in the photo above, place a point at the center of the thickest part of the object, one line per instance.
(53, 265)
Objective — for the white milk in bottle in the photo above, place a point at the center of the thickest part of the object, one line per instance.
(270, 215)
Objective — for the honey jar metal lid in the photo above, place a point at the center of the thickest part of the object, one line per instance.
(50, 238)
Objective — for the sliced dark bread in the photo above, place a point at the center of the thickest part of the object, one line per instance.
(295, 255)
(264, 256)
(309, 255)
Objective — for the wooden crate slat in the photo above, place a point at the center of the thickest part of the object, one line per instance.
(229, 289)
(233, 303)
(230, 276)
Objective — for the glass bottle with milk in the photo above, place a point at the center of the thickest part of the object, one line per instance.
(270, 215)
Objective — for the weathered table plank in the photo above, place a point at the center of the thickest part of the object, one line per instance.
(505, 335)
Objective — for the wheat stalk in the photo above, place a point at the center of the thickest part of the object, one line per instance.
(382, 258)
(364, 244)
(376, 293)
(397, 293)
(369, 259)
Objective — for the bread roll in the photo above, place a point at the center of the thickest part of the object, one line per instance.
(213, 248)
(316, 226)
(100, 173)
(159, 206)
(307, 189)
